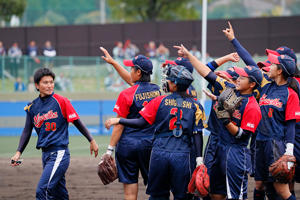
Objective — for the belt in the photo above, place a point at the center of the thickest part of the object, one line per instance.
(54, 148)
(168, 134)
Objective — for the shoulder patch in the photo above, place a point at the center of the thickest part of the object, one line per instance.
(27, 107)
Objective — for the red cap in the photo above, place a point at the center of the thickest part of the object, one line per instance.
(269, 51)
(266, 69)
(128, 63)
(273, 58)
(171, 62)
(226, 74)
(240, 71)
(266, 63)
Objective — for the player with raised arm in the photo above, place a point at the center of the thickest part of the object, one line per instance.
(49, 115)
(279, 103)
(213, 65)
(133, 145)
(175, 118)
(234, 128)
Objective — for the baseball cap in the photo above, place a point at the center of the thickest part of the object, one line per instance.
(183, 62)
(142, 62)
(265, 63)
(230, 73)
(283, 50)
(265, 66)
(251, 72)
(288, 64)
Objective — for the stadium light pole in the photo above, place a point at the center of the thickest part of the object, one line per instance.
(102, 12)
(203, 41)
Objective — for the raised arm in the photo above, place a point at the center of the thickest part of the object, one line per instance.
(242, 52)
(201, 68)
(233, 57)
(124, 74)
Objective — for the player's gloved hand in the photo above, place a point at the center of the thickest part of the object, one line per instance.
(94, 147)
(110, 150)
(229, 100)
(107, 169)
(199, 183)
(15, 159)
(283, 170)
(223, 115)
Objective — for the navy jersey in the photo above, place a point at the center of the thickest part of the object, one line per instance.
(247, 116)
(161, 112)
(131, 101)
(278, 104)
(216, 89)
(50, 117)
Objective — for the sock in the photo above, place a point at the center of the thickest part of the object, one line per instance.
(259, 194)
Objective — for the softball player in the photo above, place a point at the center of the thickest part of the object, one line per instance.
(231, 75)
(133, 145)
(279, 103)
(49, 115)
(233, 133)
(175, 117)
(283, 50)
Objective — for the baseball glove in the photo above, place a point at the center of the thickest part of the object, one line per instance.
(107, 170)
(229, 100)
(199, 183)
(283, 169)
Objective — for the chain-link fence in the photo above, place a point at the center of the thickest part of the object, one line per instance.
(75, 74)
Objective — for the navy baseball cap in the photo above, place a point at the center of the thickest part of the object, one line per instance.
(283, 50)
(250, 71)
(183, 62)
(288, 64)
(142, 62)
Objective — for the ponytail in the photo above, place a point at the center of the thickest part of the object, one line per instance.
(293, 84)
(297, 72)
(291, 81)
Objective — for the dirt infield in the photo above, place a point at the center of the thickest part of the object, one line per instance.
(82, 181)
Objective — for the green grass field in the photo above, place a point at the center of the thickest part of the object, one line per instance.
(79, 146)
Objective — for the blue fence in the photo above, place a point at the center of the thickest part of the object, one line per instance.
(95, 112)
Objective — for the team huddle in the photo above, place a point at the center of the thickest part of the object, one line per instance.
(160, 136)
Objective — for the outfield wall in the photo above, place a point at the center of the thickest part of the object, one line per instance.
(92, 112)
(256, 34)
